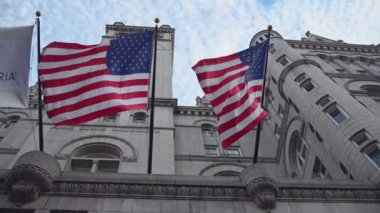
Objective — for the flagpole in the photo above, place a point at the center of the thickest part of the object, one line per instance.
(40, 124)
(258, 129)
(151, 125)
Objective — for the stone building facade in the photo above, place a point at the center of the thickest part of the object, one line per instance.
(319, 149)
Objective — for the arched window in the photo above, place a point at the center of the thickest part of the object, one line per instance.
(10, 121)
(298, 151)
(96, 157)
(139, 117)
(208, 130)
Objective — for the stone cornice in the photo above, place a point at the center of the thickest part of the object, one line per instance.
(198, 189)
(223, 158)
(339, 47)
(195, 111)
(354, 76)
(119, 26)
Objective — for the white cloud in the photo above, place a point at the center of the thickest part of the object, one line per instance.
(203, 28)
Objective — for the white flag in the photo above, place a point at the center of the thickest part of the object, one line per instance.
(15, 45)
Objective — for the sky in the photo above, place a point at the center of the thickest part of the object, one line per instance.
(203, 28)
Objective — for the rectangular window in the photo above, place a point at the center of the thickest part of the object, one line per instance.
(319, 170)
(1, 138)
(233, 152)
(108, 165)
(283, 60)
(269, 95)
(139, 117)
(372, 150)
(272, 49)
(302, 149)
(211, 150)
(110, 118)
(337, 114)
(300, 78)
(280, 111)
(360, 137)
(83, 165)
(276, 131)
(308, 85)
(324, 101)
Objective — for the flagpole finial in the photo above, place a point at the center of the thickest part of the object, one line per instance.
(269, 27)
(38, 14)
(156, 20)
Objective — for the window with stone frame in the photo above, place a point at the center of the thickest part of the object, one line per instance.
(9, 121)
(308, 85)
(233, 151)
(301, 154)
(322, 102)
(372, 150)
(139, 117)
(96, 157)
(276, 131)
(360, 137)
(111, 118)
(300, 77)
(336, 113)
(208, 130)
(272, 49)
(319, 170)
(283, 60)
(212, 150)
(280, 111)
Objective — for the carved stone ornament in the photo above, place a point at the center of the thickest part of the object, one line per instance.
(26, 181)
(32, 174)
(264, 191)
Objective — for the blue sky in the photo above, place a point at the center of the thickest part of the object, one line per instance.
(204, 28)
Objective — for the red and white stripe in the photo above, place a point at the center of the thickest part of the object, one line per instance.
(77, 87)
(236, 104)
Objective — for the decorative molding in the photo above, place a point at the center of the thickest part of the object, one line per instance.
(341, 47)
(149, 190)
(166, 102)
(119, 26)
(26, 181)
(195, 111)
(264, 191)
(328, 194)
(356, 77)
(222, 191)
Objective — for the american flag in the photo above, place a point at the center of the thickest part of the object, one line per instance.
(85, 82)
(234, 85)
